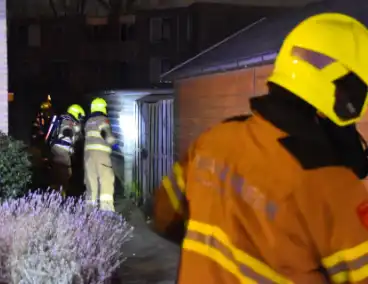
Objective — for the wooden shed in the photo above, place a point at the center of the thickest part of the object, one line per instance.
(218, 82)
(142, 120)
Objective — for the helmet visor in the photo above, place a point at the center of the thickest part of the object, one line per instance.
(350, 90)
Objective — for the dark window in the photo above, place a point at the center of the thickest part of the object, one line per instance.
(160, 29)
(127, 32)
(97, 33)
(189, 28)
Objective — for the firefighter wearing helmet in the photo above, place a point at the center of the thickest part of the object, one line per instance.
(64, 132)
(277, 196)
(99, 175)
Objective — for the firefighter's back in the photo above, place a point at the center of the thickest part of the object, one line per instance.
(239, 179)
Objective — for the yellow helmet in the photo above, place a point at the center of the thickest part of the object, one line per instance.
(324, 61)
(76, 111)
(99, 105)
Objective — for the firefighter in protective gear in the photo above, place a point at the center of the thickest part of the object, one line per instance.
(270, 198)
(65, 134)
(99, 175)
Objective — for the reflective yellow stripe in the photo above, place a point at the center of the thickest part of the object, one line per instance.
(175, 186)
(106, 197)
(166, 183)
(349, 265)
(179, 175)
(93, 134)
(241, 258)
(217, 257)
(98, 147)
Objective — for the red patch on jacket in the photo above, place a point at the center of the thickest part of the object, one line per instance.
(362, 211)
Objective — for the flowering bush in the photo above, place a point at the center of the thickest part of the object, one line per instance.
(15, 167)
(45, 239)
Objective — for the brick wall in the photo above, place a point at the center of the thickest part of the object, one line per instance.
(204, 101)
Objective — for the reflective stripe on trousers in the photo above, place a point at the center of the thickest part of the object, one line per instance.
(349, 265)
(210, 241)
(175, 186)
(107, 202)
(98, 147)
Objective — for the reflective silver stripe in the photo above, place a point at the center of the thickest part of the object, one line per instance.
(95, 140)
(93, 133)
(98, 147)
(110, 140)
(66, 148)
(104, 125)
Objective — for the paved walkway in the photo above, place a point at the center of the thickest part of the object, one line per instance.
(151, 259)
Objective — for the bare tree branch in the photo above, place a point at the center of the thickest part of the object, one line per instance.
(82, 6)
(66, 8)
(53, 8)
(104, 4)
(129, 5)
(115, 6)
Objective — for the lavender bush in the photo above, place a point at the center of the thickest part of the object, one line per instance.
(47, 240)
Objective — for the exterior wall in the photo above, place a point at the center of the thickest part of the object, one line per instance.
(206, 100)
(203, 101)
(3, 69)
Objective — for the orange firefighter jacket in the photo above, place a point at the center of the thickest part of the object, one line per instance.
(253, 204)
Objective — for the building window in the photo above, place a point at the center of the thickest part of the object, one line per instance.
(158, 66)
(127, 32)
(160, 29)
(29, 35)
(97, 33)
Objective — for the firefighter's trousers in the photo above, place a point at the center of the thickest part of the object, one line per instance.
(61, 166)
(99, 179)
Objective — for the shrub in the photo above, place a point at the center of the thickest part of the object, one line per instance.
(15, 167)
(45, 239)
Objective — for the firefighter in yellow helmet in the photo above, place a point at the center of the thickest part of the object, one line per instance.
(276, 197)
(64, 132)
(99, 175)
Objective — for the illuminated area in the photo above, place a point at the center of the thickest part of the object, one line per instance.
(128, 128)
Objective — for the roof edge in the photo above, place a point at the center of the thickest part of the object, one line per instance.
(163, 76)
(257, 60)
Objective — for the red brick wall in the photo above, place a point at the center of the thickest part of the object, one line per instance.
(203, 101)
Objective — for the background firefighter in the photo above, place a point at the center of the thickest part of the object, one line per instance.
(275, 196)
(67, 130)
(99, 175)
